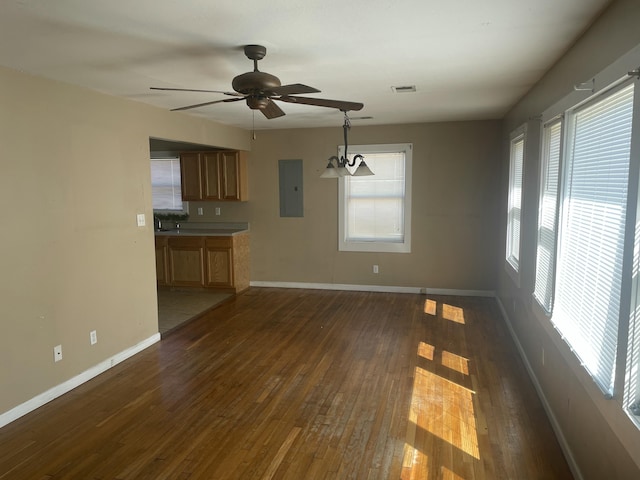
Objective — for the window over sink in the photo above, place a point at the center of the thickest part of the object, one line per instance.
(165, 185)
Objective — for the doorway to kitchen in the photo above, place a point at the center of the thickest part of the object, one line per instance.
(176, 307)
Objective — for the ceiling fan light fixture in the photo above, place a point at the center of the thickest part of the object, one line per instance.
(256, 102)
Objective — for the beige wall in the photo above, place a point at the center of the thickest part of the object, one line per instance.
(602, 440)
(75, 172)
(456, 174)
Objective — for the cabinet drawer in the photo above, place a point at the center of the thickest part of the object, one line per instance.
(219, 242)
(186, 241)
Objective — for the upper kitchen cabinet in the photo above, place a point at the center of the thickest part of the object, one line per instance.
(219, 176)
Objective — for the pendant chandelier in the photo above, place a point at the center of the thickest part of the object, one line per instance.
(339, 169)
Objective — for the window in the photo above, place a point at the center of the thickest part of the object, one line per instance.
(592, 230)
(631, 398)
(516, 160)
(547, 217)
(165, 184)
(587, 275)
(375, 211)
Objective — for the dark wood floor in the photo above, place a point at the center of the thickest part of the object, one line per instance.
(303, 384)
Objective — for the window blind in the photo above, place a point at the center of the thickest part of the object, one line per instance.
(515, 201)
(591, 240)
(165, 184)
(375, 204)
(547, 215)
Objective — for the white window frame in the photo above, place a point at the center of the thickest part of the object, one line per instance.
(177, 194)
(517, 145)
(548, 201)
(591, 214)
(629, 331)
(344, 243)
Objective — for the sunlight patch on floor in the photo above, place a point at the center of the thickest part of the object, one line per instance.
(426, 351)
(441, 413)
(444, 409)
(455, 314)
(447, 474)
(430, 307)
(455, 362)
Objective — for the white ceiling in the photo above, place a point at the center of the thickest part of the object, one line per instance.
(469, 59)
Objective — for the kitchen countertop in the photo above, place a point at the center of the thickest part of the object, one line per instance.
(200, 232)
(213, 229)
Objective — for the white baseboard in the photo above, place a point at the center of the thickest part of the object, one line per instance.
(376, 288)
(573, 465)
(74, 382)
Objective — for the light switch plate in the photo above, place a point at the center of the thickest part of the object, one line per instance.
(141, 220)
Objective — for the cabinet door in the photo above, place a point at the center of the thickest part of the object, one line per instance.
(230, 175)
(161, 261)
(219, 259)
(211, 176)
(191, 174)
(186, 261)
(219, 273)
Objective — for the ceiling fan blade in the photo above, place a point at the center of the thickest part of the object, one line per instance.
(323, 102)
(207, 103)
(235, 94)
(293, 89)
(272, 110)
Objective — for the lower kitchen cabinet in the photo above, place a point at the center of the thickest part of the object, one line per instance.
(161, 261)
(219, 259)
(217, 262)
(186, 266)
(227, 262)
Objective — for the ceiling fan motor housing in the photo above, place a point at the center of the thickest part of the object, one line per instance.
(251, 83)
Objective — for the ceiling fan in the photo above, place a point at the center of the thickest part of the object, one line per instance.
(259, 89)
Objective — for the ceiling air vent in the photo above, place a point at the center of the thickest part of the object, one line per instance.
(404, 89)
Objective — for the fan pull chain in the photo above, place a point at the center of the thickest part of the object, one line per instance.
(253, 126)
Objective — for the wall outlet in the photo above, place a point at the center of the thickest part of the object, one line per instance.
(93, 337)
(217, 210)
(141, 220)
(57, 353)
(200, 211)
(375, 269)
